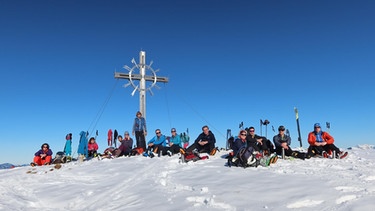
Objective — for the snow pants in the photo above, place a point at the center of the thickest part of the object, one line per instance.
(174, 149)
(317, 150)
(205, 148)
(140, 137)
(290, 152)
(42, 161)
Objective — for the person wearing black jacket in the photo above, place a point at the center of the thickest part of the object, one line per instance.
(205, 142)
(259, 143)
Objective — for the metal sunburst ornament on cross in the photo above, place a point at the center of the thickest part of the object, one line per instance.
(141, 81)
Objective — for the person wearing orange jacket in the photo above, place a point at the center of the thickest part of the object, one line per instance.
(321, 143)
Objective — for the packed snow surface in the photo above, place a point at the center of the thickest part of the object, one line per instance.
(164, 183)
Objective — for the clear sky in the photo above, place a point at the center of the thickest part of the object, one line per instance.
(227, 62)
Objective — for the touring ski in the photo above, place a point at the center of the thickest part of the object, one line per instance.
(299, 131)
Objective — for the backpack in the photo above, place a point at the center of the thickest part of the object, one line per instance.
(230, 142)
(108, 153)
(59, 158)
(192, 156)
(185, 139)
(214, 150)
(136, 151)
(244, 158)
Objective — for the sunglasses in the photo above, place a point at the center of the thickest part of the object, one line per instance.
(243, 134)
(173, 131)
(157, 132)
(251, 131)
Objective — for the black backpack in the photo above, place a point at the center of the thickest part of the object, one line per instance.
(244, 158)
(59, 158)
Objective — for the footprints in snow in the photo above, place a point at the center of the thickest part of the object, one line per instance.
(340, 200)
(197, 196)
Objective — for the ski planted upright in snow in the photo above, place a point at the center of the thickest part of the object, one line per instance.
(299, 131)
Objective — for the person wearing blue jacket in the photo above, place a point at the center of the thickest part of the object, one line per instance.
(140, 130)
(239, 142)
(68, 146)
(157, 144)
(174, 143)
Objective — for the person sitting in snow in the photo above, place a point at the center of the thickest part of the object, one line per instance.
(126, 145)
(239, 142)
(283, 141)
(245, 155)
(92, 148)
(321, 143)
(174, 143)
(259, 143)
(43, 156)
(156, 144)
(205, 142)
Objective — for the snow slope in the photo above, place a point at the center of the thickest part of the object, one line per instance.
(140, 183)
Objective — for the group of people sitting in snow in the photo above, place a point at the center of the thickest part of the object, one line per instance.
(248, 147)
(321, 144)
(246, 144)
(162, 145)
(159, 145)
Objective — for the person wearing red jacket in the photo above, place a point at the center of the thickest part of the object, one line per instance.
(92, 147)
(321, 143)
(43, 156)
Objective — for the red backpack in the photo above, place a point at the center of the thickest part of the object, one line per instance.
(192, 156)
(136, 151)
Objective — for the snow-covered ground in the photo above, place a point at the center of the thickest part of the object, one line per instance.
(140, 183)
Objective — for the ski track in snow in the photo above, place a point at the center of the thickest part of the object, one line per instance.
(159, 183)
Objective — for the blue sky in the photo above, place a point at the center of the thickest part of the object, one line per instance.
(227, 62)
